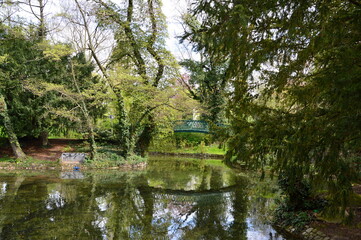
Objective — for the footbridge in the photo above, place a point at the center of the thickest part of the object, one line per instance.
(199, 126)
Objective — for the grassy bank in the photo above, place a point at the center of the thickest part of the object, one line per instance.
(28, 163)
(48, 157)
(199, 149)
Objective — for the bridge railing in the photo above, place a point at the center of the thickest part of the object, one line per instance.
(191, 126)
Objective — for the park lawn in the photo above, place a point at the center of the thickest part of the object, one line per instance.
(211, 149)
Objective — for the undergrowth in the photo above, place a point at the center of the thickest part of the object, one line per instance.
(106, 159)
(298, 206)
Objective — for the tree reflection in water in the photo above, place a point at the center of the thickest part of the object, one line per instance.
(182, 200)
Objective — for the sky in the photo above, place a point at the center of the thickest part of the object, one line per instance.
(173, 10)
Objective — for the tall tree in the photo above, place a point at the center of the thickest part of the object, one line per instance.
(9, 129)
(23, 14)
(139, 29)
(306, 56)
(9, 80)
(30, 63)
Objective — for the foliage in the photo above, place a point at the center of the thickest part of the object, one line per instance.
(108, 159)
(28, 163)
(7, 159)
(169, 146)
(207, 84)
(191, 139)
(295, 89)
(37, 99)
(298, 206)
(144, 69)
(25, 57)
(163, 143)
(52, 89)
(105, 135)
(2, 132)
(285, 215)
(298, 219)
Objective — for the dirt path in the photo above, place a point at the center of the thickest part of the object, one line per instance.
(50, 153)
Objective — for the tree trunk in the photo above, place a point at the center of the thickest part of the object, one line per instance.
(42, 30)
(44, 137)
(93, 146)
(145, 137)
(122, 129)
(15, 145)
(86, 116)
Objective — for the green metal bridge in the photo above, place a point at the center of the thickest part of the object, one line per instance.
(191, 126)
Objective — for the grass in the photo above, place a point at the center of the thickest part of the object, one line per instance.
(28, 163)
(201, 148)
(6, 159)
(211, 149)
(205, 161)
(108, 156)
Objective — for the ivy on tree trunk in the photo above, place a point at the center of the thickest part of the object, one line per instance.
(14, 143)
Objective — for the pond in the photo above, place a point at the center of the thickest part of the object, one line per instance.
(170, 199)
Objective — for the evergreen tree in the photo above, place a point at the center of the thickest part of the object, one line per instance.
(295, 68)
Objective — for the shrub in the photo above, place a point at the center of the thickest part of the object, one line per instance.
(297, 219)
(298, 206)
(191, 139)
(105, 135)
(106, 159)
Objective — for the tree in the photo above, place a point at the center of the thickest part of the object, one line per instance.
(18, 152)
(139, 29)
(79, 97)
(207, 84)
(306, 55)
(36, 65)
(36, 76)
(8, 81)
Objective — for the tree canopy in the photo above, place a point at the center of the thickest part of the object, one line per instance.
(295, 69)
(72, 70)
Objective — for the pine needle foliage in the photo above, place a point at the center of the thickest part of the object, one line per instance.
(295, 70)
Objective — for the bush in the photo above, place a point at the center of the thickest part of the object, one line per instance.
(297, 219)
(297, 190)
(191, 139)
(298, 206)
(163, 144)
(105, 135)
(106, 159)
(135, 159)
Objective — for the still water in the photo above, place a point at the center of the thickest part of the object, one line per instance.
(170, 199)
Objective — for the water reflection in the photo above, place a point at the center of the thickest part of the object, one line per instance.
(169, 200)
